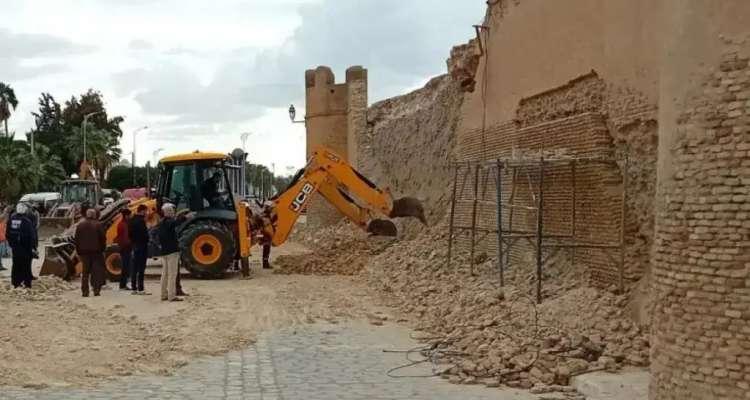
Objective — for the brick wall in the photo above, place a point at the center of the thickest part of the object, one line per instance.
(701, 345)
(584, 118)
(598, 196)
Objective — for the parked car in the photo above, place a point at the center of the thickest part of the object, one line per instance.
(42, 202)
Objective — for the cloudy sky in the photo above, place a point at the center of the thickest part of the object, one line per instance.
(199, 73)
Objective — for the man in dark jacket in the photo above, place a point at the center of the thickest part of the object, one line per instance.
(22, 238)
(91, 241)
(138, 233)
(126, 250)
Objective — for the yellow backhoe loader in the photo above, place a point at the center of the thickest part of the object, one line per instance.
(224, 228)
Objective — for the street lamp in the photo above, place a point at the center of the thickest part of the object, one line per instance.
(156, 154)
(83, 127)
(293, 115)
(244, 137)
(133, 159)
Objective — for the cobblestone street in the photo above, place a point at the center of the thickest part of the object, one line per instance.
(312, 362)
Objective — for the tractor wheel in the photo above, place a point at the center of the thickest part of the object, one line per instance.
(113, 263)
(208, 249)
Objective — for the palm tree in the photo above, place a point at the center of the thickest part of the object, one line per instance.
(102, 149)
(8, 100)
(23, 173)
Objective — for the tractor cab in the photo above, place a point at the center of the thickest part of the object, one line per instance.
(197, 182)
(81, 191)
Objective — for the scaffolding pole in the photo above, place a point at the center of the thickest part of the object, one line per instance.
(539, 227)
(510, 211)
(474, 218)
(623, 216)
(499, 190)
(452, 216)
(573, 211)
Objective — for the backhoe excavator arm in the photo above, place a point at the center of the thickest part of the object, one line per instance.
(343, 187)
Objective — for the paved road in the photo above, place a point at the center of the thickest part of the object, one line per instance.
(317, 362)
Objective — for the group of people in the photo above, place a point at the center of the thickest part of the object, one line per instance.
(132, 240)
(19, 230)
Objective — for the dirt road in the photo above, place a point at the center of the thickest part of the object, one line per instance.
(55, 337)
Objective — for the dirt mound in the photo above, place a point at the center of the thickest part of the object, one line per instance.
(339, 250)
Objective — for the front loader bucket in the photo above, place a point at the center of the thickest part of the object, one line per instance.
(408, 207)
(59, 260)
(52, 226)
(382, 227)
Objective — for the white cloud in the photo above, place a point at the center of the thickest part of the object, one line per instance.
(201, 73)
(140, 44)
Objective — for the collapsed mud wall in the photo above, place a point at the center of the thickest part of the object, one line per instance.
(571, 97)
(409, 143)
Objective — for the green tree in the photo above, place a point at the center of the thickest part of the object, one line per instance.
(23, 173)
(8, 100)
(102, 149)
(121, 177)
(263, 183)
(60, 127)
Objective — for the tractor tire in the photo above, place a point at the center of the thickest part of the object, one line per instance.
(208, 249)
(113, 263)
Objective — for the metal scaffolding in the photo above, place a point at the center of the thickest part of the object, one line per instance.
(538, 239)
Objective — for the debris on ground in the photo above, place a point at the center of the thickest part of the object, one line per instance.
(340, 250)
(478, 332)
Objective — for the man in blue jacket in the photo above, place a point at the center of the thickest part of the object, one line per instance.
(22, 238)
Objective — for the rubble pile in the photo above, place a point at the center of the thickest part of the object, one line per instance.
(340, 250)
(478, 332)
(493, 335)
(44, 288)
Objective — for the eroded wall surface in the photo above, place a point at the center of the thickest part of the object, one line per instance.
(578, 80)
(409, 143)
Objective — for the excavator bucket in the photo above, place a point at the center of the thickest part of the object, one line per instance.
(382, 227)
(52, 226)
(59, 260)
(408, 207)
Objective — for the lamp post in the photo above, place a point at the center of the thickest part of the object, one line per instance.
(293, 115)
(244, 137)
(133, 159)
(83, 127)
(148, 171)
(156, 154)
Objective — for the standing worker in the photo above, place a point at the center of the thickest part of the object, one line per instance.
(21, 235)
(138, 233)
(268, 206)
(126, 249)
(4, 214)
(91, 241)
(170, 252)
